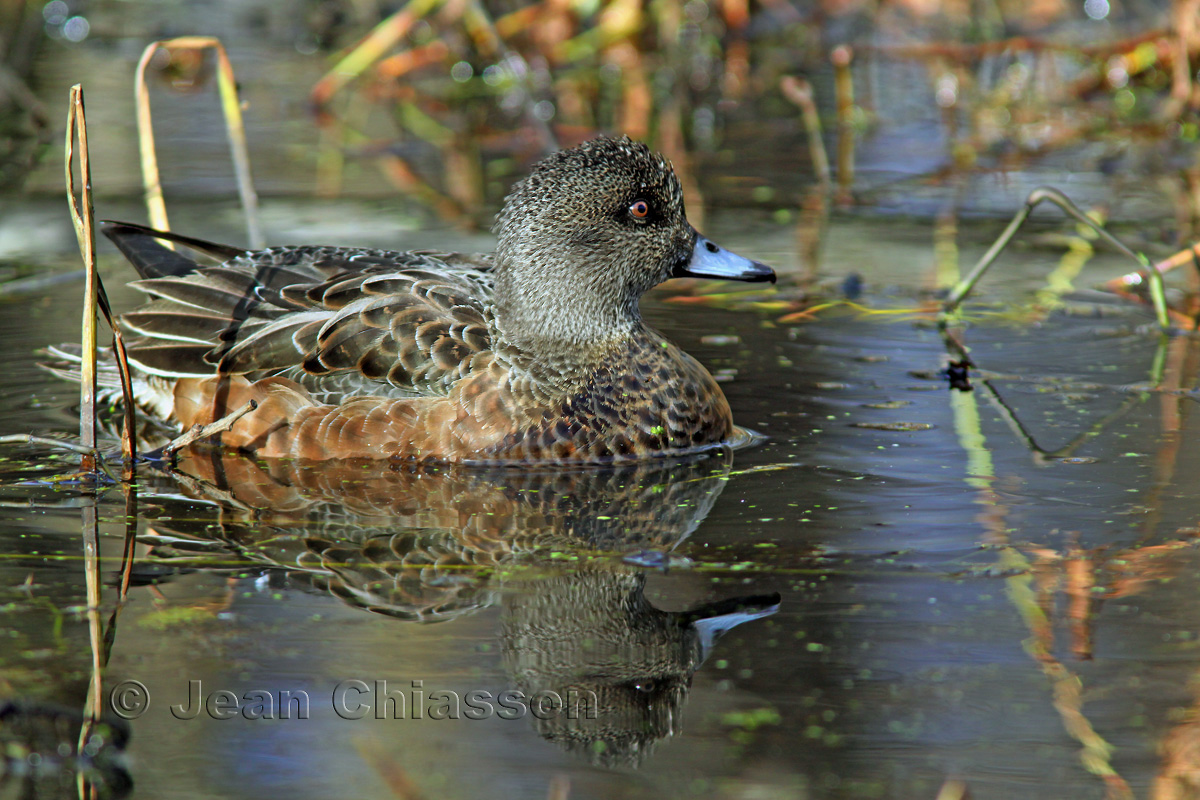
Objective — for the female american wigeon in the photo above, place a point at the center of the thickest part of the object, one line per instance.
(535, 353)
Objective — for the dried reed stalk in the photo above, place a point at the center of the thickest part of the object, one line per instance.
(800, 92)
(83, 218)
(234, 126)
(86, 235)
(843, 83)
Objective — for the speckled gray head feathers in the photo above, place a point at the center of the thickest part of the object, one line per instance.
(577, 249)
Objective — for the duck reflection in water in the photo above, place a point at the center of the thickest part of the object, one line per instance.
(429, 546)
(595, 635)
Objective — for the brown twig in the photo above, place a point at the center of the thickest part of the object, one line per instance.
(128, 444)
(29, 438)
(198, 432)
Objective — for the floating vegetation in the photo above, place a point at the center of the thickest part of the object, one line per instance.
(903, 427)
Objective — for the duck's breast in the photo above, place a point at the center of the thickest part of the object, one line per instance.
(645, 399)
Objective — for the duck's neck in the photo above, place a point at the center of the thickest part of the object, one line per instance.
(558, 321)
(561, 355)
(561, 362)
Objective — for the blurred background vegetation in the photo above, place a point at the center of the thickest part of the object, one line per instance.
(918, 107)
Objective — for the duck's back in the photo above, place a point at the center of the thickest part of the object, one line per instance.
(339, 321)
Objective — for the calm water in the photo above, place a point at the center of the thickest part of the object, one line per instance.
(951, 601)
(903, 588)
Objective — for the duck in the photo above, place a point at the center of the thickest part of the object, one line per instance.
(536, 353)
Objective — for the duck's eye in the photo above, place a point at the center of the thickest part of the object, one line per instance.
(640, 209)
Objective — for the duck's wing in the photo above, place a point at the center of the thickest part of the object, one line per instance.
(341, 321)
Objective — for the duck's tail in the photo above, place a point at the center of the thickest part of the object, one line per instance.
(153, 394)
(144, 248)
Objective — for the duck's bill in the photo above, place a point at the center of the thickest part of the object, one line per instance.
(710, 260)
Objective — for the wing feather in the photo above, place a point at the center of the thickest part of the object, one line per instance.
(375, 321)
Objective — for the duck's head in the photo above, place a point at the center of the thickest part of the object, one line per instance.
(587, 233)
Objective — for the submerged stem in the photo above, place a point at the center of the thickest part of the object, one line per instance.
(964, 286)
